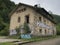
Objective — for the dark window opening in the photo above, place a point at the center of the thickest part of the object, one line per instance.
(21, 10)
(18, 19)
(24, 9)
(18, 11)
(40, 30)
(27, 18)
(39, 18)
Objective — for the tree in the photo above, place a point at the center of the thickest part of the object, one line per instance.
(58, 29)
(5, 32)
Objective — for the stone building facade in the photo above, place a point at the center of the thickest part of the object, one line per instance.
(38, 19)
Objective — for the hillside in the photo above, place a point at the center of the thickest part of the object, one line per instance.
(57, 18)
(5, 8)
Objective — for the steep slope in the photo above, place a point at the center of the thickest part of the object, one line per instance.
(5, 8)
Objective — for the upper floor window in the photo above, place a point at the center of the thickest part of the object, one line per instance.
(27, 18)
(24, 9)
(18, 19)
(40, 19)
(45, 21)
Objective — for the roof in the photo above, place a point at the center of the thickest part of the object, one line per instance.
(40, 10)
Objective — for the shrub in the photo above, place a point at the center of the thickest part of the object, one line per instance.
(26, 28)
(18, 30)
(58, 29)
(5, 32)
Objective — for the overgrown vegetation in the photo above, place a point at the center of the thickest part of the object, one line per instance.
(26, 28)
(18, 30)
(57, 19)
(5, 32)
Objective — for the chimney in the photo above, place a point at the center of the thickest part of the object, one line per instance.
(35, 6)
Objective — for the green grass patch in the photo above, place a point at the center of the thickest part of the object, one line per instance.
(14, 37)
(35, 38)
(6, 43)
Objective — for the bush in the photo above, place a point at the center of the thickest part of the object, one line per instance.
(26, 28)
(5, 32)
(58, 29)
(18, 30)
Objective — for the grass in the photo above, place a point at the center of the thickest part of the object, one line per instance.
(33, 39)
(14, 37)
(25, 40)
(6, 43)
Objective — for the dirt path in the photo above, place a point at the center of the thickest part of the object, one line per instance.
(4, 39)
(8, 40)
(55, 41)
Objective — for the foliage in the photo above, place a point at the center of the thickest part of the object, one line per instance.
(58, 29)
(5, 32)
(40, 38)
(57, 19)
(26, 28)
(18, 30)
(5, 8)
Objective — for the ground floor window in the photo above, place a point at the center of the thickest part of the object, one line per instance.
(40, 30)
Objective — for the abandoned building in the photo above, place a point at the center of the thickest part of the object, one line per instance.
(38, 19)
